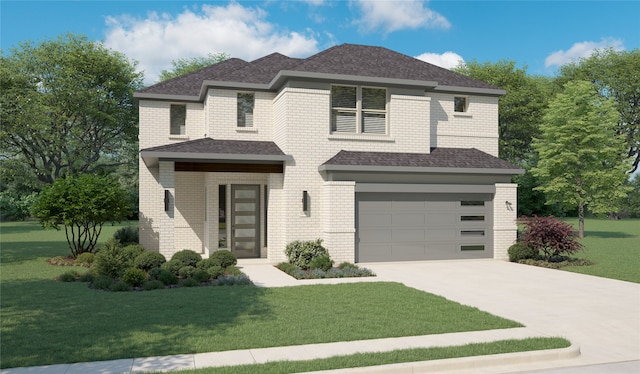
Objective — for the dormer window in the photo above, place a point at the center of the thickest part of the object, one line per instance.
(246, 103)
(460, 104)
(359, 110)
(178, 119)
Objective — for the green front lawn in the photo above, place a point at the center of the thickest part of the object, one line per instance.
(614, 247)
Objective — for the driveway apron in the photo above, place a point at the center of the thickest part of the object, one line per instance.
(600, 315)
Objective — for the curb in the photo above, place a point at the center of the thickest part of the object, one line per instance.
(466, 363)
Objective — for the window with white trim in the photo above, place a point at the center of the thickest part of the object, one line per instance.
(178, 114)
(246, 102)
(358, 110)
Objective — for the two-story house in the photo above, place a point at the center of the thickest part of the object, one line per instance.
(382, 156)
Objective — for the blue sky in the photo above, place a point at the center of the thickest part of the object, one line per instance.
(541, 35)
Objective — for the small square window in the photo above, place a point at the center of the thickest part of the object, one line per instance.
(460, 104)
(246, 102)
(178, 119)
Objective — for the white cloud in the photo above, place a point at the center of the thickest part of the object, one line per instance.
(445, 60)
(239, 31)
(396, 15)
(581, 50)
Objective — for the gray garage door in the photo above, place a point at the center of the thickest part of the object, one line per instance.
(417, 226)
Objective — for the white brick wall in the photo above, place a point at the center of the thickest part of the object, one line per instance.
(298, 121)
(504, 219)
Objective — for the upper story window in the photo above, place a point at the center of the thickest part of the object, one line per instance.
(460, 104)
(246, 103)
(358, 110)
(178, 119)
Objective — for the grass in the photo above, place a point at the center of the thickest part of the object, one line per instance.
(614, 247)
(392, 357)
(49, 322)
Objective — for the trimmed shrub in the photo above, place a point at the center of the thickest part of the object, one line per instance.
(102, 282)
(317, 273)
(87, 277)
(111, 259)
(201, 276)
(172, 266)
(323, 262)
(232, 270)
(164, 276)
(187, 257)
(153, 284)
(127, 235)
(132, 251)
(549, 235)
(335, 273)
(287, 267)
(149, 260)
(301, 253)
(186, 271)
(189, 282)
(215, 271)
(68, 276)
(520, 251)
(84, 259)
(120, 286)
(134, 276)
(345, 265)
(224, 258)
(207, 263)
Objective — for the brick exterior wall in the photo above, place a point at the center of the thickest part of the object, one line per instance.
(298, 121)
(505, 229)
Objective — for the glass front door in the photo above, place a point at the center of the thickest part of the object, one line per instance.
(245, 220)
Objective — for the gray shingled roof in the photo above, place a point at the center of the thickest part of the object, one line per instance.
(212, 146)
(344, 59)
(457, 158)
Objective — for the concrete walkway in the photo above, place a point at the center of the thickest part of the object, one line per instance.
(601, 317)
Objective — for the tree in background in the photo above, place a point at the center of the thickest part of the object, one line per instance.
(520, 110)
(631, 205)
(66, 106)
(616, 75)
(183, 66)
(582, 160)
(83, 204)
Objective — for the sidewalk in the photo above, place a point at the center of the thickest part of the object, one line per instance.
(428, 276)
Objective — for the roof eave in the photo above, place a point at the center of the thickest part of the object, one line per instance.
(471, 90)
(157, 96)
(418, 169)
(151, 158)
(284, 75)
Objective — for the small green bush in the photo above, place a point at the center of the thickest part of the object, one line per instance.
(521, 251)
(201, 276)
(84, 259)
(207, 263)
(187, 257)
(287, 267)
(189, 282)
(149, 260)
(164, 276)
(301, 253)
(344, 265)
(134, 276)
(232, 270)
(234, 280)
(61, 261)
(224, 258)
(323, 262)
(186, 271)
(172, 266)
(153, 284)
(111, 259)
(127, 235)
(68, 276)
(120, 286)
(132, 251)
(215, 271)
(102, 282)
(317, 273)
(87, 277)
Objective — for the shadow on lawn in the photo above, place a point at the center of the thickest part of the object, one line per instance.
(48, 322)
(607, 234)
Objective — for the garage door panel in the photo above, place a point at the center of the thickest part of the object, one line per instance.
(410, 227)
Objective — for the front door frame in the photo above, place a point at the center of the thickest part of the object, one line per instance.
(233, 226)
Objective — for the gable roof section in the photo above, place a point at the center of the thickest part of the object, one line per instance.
(345, 62)
(440, 160)
(208, 149)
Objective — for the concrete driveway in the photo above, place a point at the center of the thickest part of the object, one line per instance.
(600, 315)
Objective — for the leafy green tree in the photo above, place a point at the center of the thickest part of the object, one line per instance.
(183, 66)
(582, 160)
(82, 203)
(615, 75)
(66, 106)
(520, 110)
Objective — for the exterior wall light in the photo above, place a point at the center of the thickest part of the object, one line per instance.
(305, 201)
(167, 194)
